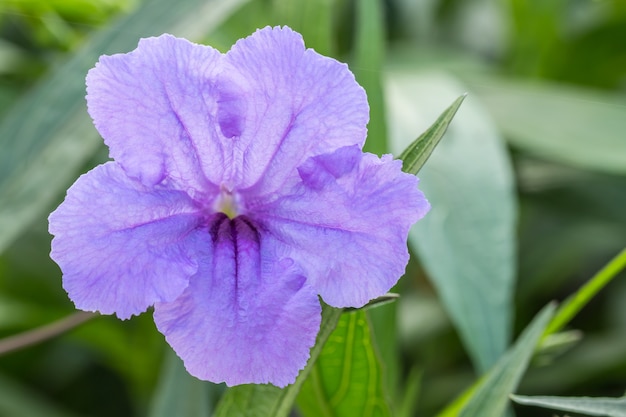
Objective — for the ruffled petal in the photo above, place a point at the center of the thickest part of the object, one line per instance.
(155, 108)
(283, 103)
(120, 245)
(346, 224)
(244, 317)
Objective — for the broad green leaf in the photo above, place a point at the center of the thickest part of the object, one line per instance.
(19, 401)
(584, 128)
(346, 379)
(490, 395)
(417, 153)
(574, 304)
(47, 136)
(180, 394)
(609, 407)
(255, 400)
(467, 241)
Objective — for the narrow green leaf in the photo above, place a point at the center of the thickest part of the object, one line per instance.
(467, 242)
(490, 398)
(417, 153)
(180, 394)
(610, 407)
(555, 344)
(256, 400)
(584, 128)
(408, 406)
(312, 18)
(47, 136)
(346, 380)
(367, 67)
(568, 310)
(496, 385)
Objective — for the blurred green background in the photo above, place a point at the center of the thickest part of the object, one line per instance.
(547, 82)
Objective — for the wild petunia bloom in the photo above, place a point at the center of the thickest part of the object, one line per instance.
(237, 193)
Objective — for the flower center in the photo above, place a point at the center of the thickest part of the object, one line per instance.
(229, 203)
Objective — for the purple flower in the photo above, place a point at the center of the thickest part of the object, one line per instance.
(237, 194)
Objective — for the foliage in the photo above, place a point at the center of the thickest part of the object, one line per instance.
(527, 189)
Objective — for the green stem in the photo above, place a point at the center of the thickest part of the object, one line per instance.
(576, 302)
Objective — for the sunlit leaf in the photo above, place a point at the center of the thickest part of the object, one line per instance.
(467, 242)
(346, 380)
(609, 407)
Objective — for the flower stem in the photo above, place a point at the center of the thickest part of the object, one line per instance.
(576, 302)
(48, 331)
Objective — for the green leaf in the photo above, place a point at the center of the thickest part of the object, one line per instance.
(19, 401)
(255, 400)
(47, 136)
(467, 242)
(311, 18)
(408, 406)
(575, 303)
(417, 153)
(610, 407)
(490, 397)
(367, 67)
(180, 394)
(584, 128)
(346, 379)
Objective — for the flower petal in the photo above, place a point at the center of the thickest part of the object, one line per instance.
(347, 224)
(285, 103)
(243, 318)
(120, 245)
(155, 109)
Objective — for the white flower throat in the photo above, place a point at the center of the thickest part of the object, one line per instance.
(229, 203)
